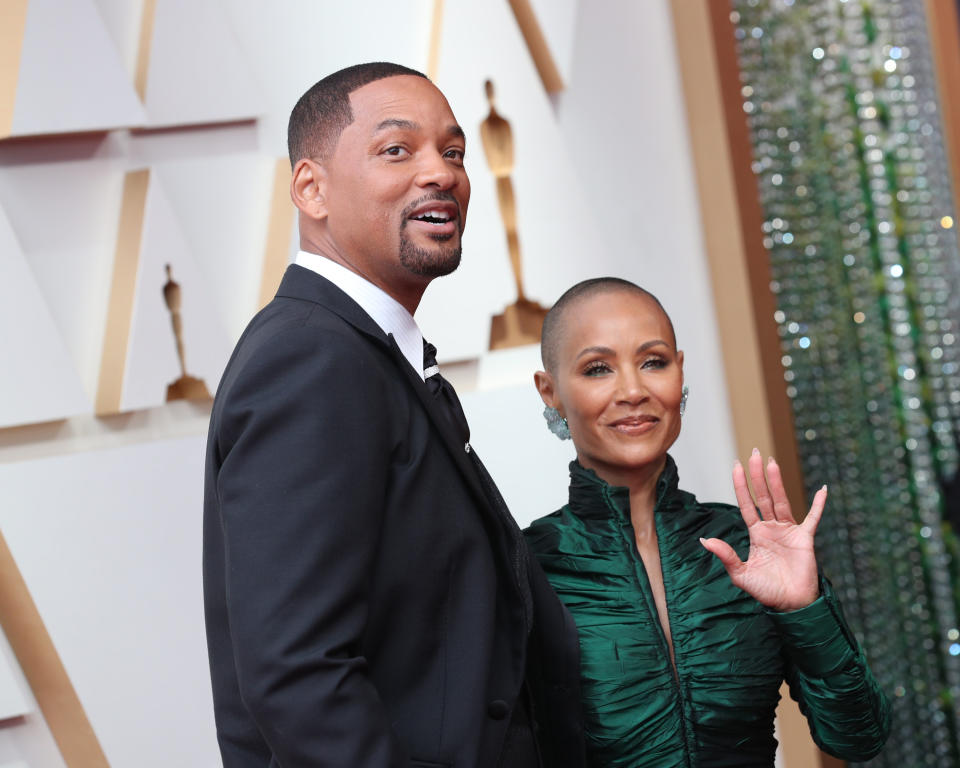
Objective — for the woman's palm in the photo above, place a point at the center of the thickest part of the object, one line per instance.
(781, 568)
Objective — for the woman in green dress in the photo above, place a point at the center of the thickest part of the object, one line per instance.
(690, 614)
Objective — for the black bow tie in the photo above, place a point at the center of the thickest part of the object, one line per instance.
(444, 394)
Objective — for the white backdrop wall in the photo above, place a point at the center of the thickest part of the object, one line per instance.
(103, 516)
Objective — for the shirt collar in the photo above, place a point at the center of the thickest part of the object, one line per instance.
(386, 311)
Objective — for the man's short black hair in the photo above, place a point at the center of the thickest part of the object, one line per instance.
(552, 332)
(324, 111)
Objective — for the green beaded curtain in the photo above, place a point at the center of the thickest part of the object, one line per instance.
(840, 99)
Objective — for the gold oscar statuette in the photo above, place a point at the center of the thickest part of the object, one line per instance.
(186, 387)
(520, 322)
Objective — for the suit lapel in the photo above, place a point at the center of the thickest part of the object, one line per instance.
(458, 450)
(496, 517)
(301, 283)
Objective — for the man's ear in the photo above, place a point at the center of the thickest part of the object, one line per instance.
(544, 384)
(308, 188)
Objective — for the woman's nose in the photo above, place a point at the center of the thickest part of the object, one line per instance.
(630, 387)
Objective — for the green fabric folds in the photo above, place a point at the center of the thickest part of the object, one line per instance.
(717, 708)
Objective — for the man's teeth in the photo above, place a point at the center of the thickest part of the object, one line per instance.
(434, 217)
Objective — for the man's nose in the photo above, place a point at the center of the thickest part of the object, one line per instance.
(437, 171)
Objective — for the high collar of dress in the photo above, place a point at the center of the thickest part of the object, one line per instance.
(590, 495)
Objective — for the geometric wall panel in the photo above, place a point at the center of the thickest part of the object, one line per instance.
(64, 217)
(40, 382)
(557, 20)
(110, 553)
(151, 360)
(123, 21)
(208, 219)
(282, 242)
(222, 205)
(13, 702)
(60, 732)
(197, 72)
(538, 44)
(70, 75)
(116, 335)
(13, 18)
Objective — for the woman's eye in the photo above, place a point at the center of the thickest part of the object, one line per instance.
(596, 369)
(655, 362)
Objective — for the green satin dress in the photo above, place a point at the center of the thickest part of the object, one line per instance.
(717, 707)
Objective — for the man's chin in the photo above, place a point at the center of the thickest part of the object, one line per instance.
(430, 262)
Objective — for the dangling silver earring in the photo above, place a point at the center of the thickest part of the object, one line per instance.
(684, 394)
(556, 423)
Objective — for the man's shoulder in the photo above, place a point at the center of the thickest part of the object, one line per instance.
(304, 339)
(323, 315)
(285, 313)
(286, 324)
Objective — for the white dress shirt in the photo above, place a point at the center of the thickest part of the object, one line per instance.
(386, 311)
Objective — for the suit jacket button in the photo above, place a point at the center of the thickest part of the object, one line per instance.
(498, 709)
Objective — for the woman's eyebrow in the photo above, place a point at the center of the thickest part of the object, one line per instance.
(594, 350)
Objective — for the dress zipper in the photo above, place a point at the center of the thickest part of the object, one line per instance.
(646, 592)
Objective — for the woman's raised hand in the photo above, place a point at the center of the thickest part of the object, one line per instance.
(781, 570)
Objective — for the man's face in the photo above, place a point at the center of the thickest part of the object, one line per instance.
(397, 192)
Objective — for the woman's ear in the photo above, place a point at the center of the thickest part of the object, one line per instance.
(308, 188)
(544, 384)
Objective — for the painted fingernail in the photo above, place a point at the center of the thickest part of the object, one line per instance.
(824, 488)
(771, 460)
(703, 541)
(756, 451)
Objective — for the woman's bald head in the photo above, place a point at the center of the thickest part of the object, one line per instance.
(555, 323)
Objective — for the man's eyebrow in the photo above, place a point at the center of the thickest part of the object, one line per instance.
(396, 122)
(454, 131)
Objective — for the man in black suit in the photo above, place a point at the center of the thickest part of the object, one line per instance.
(369, 600)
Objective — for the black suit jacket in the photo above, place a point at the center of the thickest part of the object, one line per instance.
(368, 600)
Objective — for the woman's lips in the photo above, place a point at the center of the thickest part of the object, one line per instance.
(635, 425)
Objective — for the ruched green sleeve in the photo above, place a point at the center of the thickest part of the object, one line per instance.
(848, 714)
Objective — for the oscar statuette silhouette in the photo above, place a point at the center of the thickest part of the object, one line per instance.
(186, 387)
(520, 322)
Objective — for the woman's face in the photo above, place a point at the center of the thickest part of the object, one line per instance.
(618, 382)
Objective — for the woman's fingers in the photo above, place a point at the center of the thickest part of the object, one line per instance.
(760, 490)
(771, 496)
(781, 506)
(725, 553)
(812, 520)
(745, 501)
